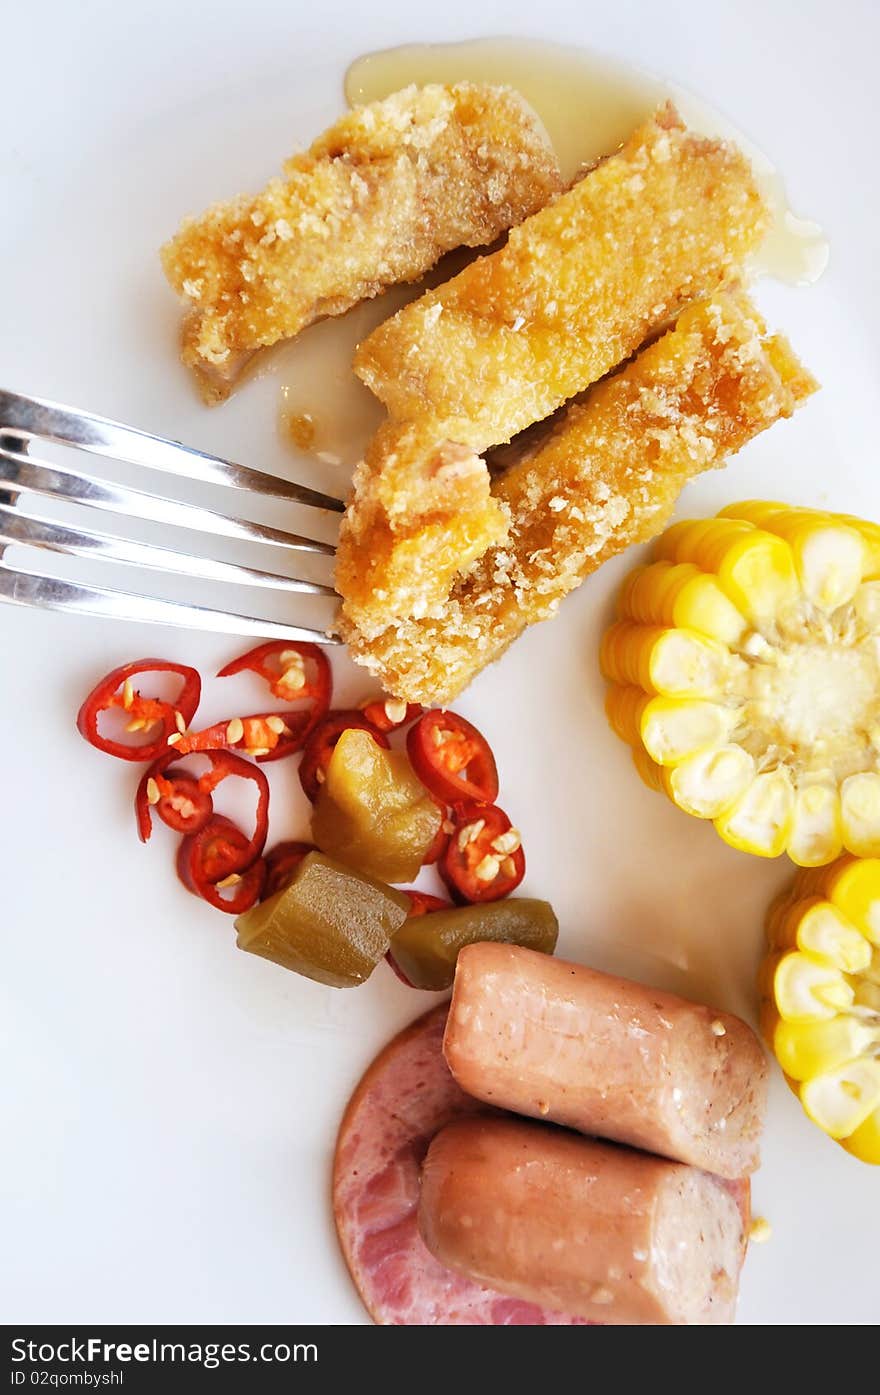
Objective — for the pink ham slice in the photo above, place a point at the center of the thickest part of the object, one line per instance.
(405, 1097)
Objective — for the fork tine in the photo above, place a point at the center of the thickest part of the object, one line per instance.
(29, 417)
(31, 530)
(62, 482)
(48, 593)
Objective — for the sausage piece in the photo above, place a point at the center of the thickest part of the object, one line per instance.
(568, 1044)
(598, 1230)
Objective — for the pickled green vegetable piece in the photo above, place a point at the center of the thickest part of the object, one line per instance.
(373, 812)
(329, 923)
(427, 946)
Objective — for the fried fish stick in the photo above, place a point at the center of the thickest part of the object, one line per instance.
(376, 200)
(608, 477)
(421, 511)
(577, 288)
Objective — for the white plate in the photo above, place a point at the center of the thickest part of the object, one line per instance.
(170, 1103)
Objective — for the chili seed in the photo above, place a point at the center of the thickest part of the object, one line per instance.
(488, 869)
(507, 842)
(470, 833)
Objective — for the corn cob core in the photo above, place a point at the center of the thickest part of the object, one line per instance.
(745, 672)
(820, 988)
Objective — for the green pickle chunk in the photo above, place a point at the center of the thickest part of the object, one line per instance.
(329, 923)
(373, 812)
(427, 946)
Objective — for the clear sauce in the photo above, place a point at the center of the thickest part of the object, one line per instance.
(324, 410)
(589, 104)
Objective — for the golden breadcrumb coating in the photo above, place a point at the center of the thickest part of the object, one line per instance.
(608, 477)
(376, 200)
(421, 511)
(575, 290)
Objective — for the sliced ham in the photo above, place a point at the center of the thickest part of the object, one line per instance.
(405, 1097)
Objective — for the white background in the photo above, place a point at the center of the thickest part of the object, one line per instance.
(169, 1104)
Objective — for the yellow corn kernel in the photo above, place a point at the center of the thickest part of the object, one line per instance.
(703, 606)
(685, 664)
(830, 560)
(625, 653)
(759, 821)
(758, 512)
(818, 928)
(649, 594)
(864, 1142)
(757, 572)
(871, 534)
(674, 545)
(806, 990)
(860, 813)
(708, 784)
(674, 728)
(816, 836)
(830, 555)
(807, 1049)
(840, 1100)
(703, 541)
(853, 885)
(673, 663)
(824, 933)
(624, 708)
(681, 596)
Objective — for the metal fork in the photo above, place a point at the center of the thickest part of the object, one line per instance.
(26, 421)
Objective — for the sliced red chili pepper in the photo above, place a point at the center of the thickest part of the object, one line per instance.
(484, 859)
(117, 691)
(281, 863)
(295, 672)
(218, 858)
(182, 804)
(319, 747)
(421, 903)
(452, 759)
(265, 735)
(223, 764)
(390, 715)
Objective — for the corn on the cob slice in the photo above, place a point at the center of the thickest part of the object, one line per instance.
(749, 655)
(820, 991)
